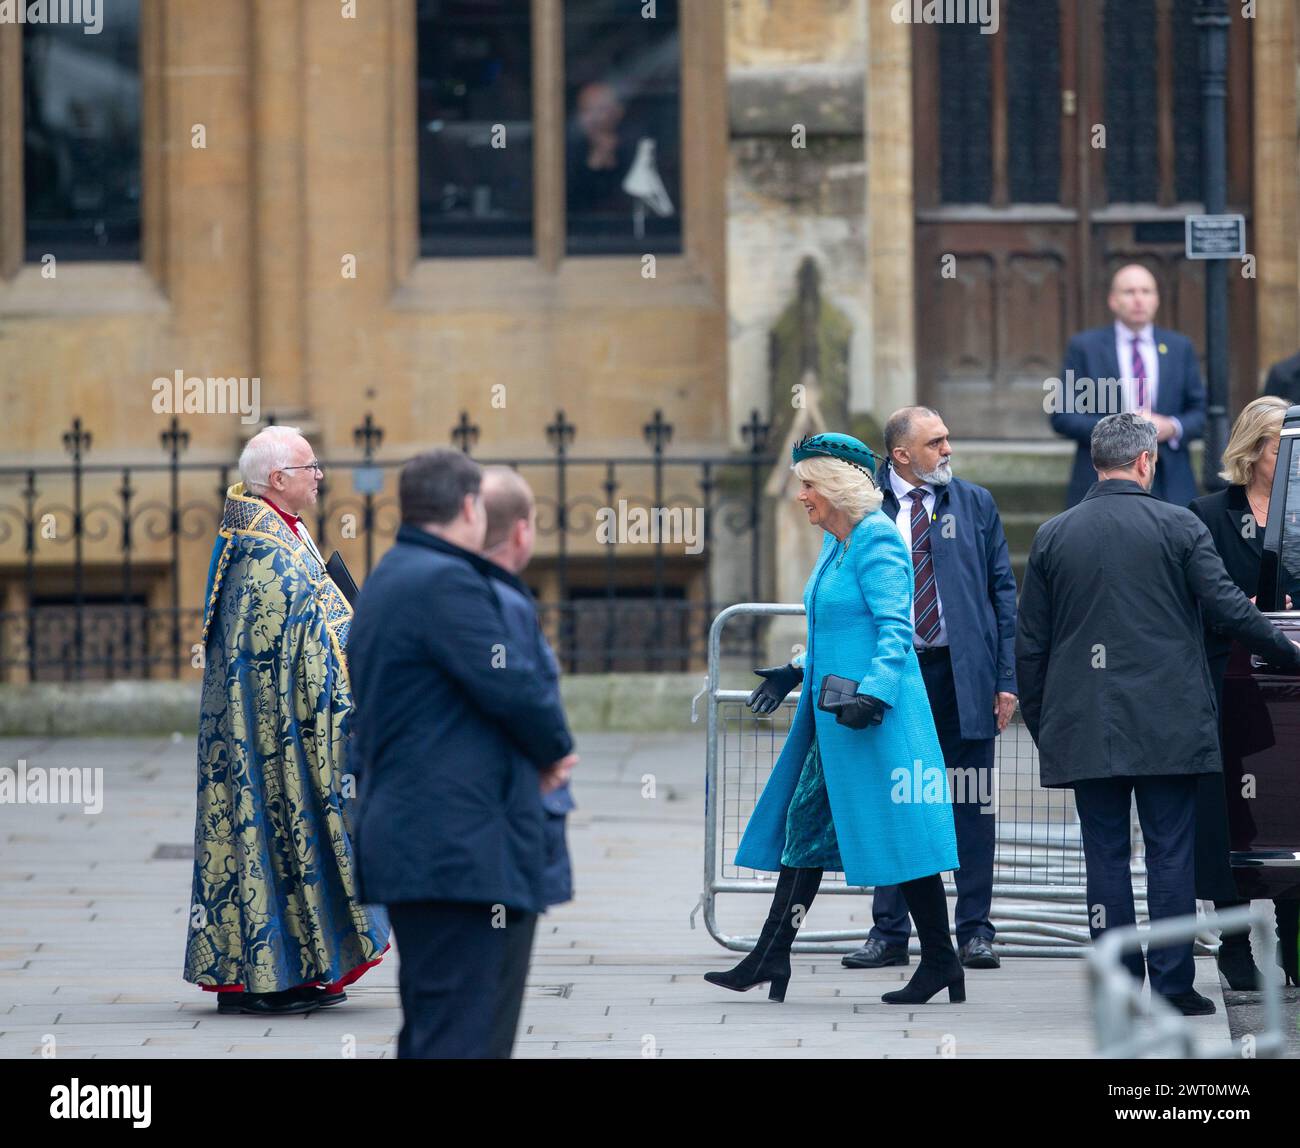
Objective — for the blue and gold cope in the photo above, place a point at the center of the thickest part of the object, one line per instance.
(274, 894)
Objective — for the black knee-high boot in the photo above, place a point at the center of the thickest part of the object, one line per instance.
(1288, 926)
(770, 960)
(939, 968)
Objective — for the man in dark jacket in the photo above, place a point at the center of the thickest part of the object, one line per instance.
(454, 742)
(1109, 638)
(1133, 366)
(511, 529)
(964, 629)
(1284, 379)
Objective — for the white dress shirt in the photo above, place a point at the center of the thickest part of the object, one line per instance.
(903, 492)
(1146, 346)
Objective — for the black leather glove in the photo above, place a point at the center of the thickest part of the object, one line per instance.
(780, 681)
(863, 710)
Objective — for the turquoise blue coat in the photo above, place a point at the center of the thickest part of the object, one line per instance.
(887, 784)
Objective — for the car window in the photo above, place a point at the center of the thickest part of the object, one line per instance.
(1290, 556)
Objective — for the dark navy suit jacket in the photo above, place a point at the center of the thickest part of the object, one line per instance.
(1180, 394)
(453, 722)
(972, 570)
(520, 613)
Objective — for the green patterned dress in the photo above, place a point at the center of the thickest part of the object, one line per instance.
(810, 841)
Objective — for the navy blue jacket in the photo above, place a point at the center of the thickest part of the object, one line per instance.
(1091, 355)
(977, 587)
(452, 724)
(520, 613)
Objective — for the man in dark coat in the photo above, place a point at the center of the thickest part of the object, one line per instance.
(1133, 366)
(1284, 379)
(964, 630)
(1109, 637)
(455, 739)
(511, 529)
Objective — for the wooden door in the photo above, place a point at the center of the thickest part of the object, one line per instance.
(1046, 156)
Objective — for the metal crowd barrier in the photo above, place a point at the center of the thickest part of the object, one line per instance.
(1039, 892)
(1130, 1025)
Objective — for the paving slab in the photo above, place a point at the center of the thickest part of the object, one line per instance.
(93, 913)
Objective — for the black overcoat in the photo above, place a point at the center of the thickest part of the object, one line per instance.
(1110, 655)
(1239, 541)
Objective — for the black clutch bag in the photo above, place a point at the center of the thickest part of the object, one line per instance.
(836, 691)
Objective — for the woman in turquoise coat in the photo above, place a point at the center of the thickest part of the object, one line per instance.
(860, 787)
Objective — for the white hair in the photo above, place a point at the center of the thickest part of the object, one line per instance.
(845, 486)
(266, 451)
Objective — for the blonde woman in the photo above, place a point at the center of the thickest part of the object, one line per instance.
(1236, 517)
(860, 786)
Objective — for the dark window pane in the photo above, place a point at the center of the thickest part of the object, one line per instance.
(81, 137)
(1033, 101)
(965, 115)
(475, 118)
(1187, 102)
(1132, 159)
(622, 95)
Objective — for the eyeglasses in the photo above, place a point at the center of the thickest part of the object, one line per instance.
(313, 465)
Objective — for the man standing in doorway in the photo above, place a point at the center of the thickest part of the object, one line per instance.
(1132, 365)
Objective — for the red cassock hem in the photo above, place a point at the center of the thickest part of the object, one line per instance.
(333, 987)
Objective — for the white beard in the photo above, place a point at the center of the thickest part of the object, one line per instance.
(940, 476)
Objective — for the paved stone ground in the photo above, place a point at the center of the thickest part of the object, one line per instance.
(92, 925)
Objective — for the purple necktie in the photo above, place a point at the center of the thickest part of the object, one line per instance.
(1140, 374)
(925, 600)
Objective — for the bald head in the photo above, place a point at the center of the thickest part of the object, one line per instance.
(1134, 296)
(508, 503)
(898, 430)
(916, 441)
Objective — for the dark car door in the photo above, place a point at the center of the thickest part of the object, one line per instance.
(1261, 708)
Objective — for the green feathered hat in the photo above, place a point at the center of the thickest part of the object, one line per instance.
(844, 447)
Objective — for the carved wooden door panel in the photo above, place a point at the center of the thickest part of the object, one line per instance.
(1046, 156)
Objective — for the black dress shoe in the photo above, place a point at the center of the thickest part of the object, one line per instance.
(1191, 1003)
(321, 996)
(876, 954)
(977, 953)
(266, 1004)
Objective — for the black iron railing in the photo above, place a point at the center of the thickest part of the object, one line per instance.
(103, 565)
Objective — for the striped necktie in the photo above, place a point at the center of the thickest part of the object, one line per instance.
(925, 599)
(1140, 374)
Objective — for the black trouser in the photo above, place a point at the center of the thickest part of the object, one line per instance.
(1167, 811)
(970, 766)
(461, 978)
